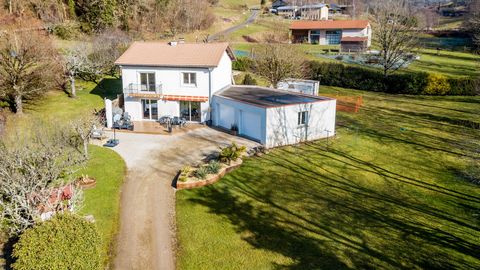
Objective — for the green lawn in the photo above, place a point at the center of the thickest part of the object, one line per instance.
(103, 201)
(386, 193)
(448, 63)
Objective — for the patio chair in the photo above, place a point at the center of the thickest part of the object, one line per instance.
(98, 134)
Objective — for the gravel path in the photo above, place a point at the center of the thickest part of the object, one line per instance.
(147, 223)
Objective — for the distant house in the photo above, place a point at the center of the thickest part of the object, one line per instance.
(352, 35)
(315, 11)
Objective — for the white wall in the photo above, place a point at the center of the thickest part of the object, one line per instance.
(134, 108)
(282, 123)
(222, 74)
(324, 13)
(172, 84)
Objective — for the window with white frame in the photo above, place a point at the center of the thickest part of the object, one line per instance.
(189, 78)
(302, 118)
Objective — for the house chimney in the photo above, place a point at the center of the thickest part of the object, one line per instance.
(173, 43)
(181, 40)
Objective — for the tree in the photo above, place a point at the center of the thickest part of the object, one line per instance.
(394, 31)
(26, 69)
(30, 167)
(64, 242)
(108, 47)
(276, 62)
(472, 22)
(74, 62)
(82, 129)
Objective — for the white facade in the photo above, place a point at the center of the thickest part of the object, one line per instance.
(169, 81)
(361, 32)
(276, 126)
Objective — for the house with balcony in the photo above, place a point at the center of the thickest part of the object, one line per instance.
(350, 35)
(173, 79)
(193, 81)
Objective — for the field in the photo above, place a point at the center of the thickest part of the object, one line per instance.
(387, 193)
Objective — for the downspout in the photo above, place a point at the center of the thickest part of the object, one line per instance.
(210, 94)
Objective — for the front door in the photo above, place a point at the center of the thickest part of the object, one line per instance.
(150, 109)
(190, 110)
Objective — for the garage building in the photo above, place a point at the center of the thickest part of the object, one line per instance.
(273, 117)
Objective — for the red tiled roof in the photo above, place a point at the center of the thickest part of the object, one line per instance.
(185, 98)
(350, 24)
(354, 39)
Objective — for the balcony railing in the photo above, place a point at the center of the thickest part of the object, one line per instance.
(143, 89)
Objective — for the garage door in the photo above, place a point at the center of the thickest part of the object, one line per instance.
(226, 116)
(251, 125)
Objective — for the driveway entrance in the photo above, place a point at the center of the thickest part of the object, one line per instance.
(147, 215)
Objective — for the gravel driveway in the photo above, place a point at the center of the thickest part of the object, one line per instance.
(147, 223)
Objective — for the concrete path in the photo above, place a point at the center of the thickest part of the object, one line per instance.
(232, 29)
(147, 217)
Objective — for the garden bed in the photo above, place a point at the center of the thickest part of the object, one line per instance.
(228, 159)
(194, 182)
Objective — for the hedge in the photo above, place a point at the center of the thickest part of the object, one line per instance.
(64, 242)
(416, 83)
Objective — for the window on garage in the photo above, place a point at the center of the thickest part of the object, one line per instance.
(302, 118)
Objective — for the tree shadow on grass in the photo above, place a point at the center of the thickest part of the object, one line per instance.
(108, 88)
(322, 221)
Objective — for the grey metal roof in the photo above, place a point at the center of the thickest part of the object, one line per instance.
(267, 97)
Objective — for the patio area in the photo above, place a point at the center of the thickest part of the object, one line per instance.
(152, 127)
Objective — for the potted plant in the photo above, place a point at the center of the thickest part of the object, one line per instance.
(234, 130)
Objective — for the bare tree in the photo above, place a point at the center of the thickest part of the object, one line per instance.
(394, 30)
(26, 68)
(107, 47)
(83, 128)
(74, 62)
(276, 62)
(472, 22)
(30, 168)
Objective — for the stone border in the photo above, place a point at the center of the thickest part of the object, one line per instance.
(210, 179)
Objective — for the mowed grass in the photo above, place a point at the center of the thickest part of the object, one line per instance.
(103, 201)
(454, 64)
(385, 193)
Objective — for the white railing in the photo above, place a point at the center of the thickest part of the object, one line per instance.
(143, 89)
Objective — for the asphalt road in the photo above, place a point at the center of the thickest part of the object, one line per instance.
(232, 29)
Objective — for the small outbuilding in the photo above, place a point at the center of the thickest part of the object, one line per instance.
(273, 117)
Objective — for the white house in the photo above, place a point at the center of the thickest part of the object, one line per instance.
(194, 81)
(350, 34)
(173, 79)
(318, 11)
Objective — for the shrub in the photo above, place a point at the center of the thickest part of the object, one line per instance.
(64, 242)
(184, 173)
(66, 31)
(242, 63)
(463, 87)
(437, 85)
(201, 173)
(249, 80)
(213, 167)
(231, 153)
